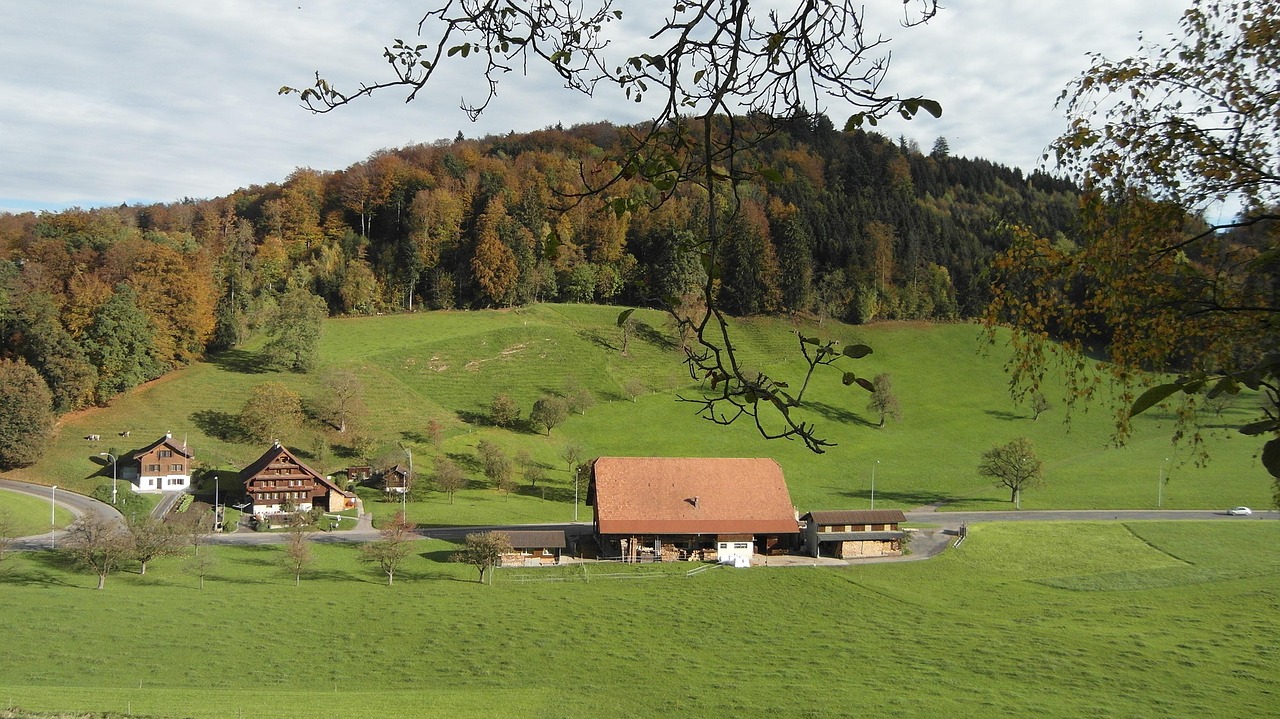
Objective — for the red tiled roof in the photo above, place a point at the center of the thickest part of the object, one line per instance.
(677, 495)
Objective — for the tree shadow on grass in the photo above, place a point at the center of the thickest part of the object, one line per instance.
(241, 362)
(597, 339)
(1005, 415)
(222, 426)
(646, 332)
(40, 576)
(903, 498)
(833, 413)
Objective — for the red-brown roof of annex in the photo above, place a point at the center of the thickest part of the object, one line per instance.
(677, 495)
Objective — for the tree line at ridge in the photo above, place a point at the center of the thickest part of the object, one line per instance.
(851, 225)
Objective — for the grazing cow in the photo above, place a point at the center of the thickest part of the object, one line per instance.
(124, 433)
(93, 438)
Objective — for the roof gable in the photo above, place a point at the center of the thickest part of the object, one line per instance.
(679, 495)
(168, 442)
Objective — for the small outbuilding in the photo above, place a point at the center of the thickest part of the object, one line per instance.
(396, 480)
(854, 533)
(667, 508)
(533, 548)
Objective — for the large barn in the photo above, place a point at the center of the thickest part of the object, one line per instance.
(278, 480)
(666, 508)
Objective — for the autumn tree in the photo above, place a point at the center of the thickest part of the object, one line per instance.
(503, 410)
(150, 538)
(884, 402)
(448, 476)
(550, 411)
(1014, 466)
(98, 544)
(483, 550)
(271, 412)
(297, 547)
(393, 546)
(343, 398)
(725, 77)
(1187, 123)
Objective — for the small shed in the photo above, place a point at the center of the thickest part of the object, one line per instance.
(853, 533)
(534, 548)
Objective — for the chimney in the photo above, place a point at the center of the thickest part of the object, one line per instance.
(168, 435)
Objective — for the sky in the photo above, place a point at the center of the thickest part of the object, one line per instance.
(137, 101)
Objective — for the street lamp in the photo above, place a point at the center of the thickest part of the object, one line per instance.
(53, 520)
(404, 490)
(1160, 485)
(873, 484)
(112, 457)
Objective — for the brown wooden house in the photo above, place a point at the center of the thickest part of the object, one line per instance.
(396, 480)
(279, 478)
(162, 466)
(853, 533)
(661, 508)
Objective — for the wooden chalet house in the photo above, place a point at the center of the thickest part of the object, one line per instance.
(396, 480)
(534, 548)
(665, 508)
(849, 534)
(162, 466)
(278, 478)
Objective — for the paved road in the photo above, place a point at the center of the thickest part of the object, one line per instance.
(78, 504)
(929, 542)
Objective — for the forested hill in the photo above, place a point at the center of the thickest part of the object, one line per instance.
(851, 225)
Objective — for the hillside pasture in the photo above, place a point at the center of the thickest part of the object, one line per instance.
(1052, 620)
(447, 366)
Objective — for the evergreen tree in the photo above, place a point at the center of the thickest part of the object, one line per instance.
(120, 342)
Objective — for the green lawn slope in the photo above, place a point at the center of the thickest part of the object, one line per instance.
(1135, 619)
(446, 366)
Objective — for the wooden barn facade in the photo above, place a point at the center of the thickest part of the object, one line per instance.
(854, 533)
(671, 508)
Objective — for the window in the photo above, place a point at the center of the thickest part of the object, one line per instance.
(153, 468)
(165, 453)
(175, 468)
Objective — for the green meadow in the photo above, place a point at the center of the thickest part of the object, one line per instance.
(30, 515)
(447, 366)
(1141, 619)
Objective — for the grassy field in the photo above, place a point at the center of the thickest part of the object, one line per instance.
(30, 515)
(1050, 620)
(447, 366)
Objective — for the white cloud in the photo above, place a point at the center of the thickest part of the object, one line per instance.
(150, 100)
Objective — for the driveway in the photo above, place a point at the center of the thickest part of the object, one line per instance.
(78, 504)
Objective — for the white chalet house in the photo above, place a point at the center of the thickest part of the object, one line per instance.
(162, 466)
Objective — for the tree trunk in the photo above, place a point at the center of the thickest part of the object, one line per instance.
(391, 577)
(143, 570)
(102, 580)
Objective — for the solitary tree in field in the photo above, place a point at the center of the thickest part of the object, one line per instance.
(151, 539)
(272, 411)
(883, 400)
(1013, 465)
(483, 550)
(98, 544)
(392, 549)
(343, 399)
(634, 387)
(550, 412)
(503, 410)
(1039, 405)
(297, 547)
(449, 476)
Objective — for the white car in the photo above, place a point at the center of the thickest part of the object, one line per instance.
(1240, 511)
